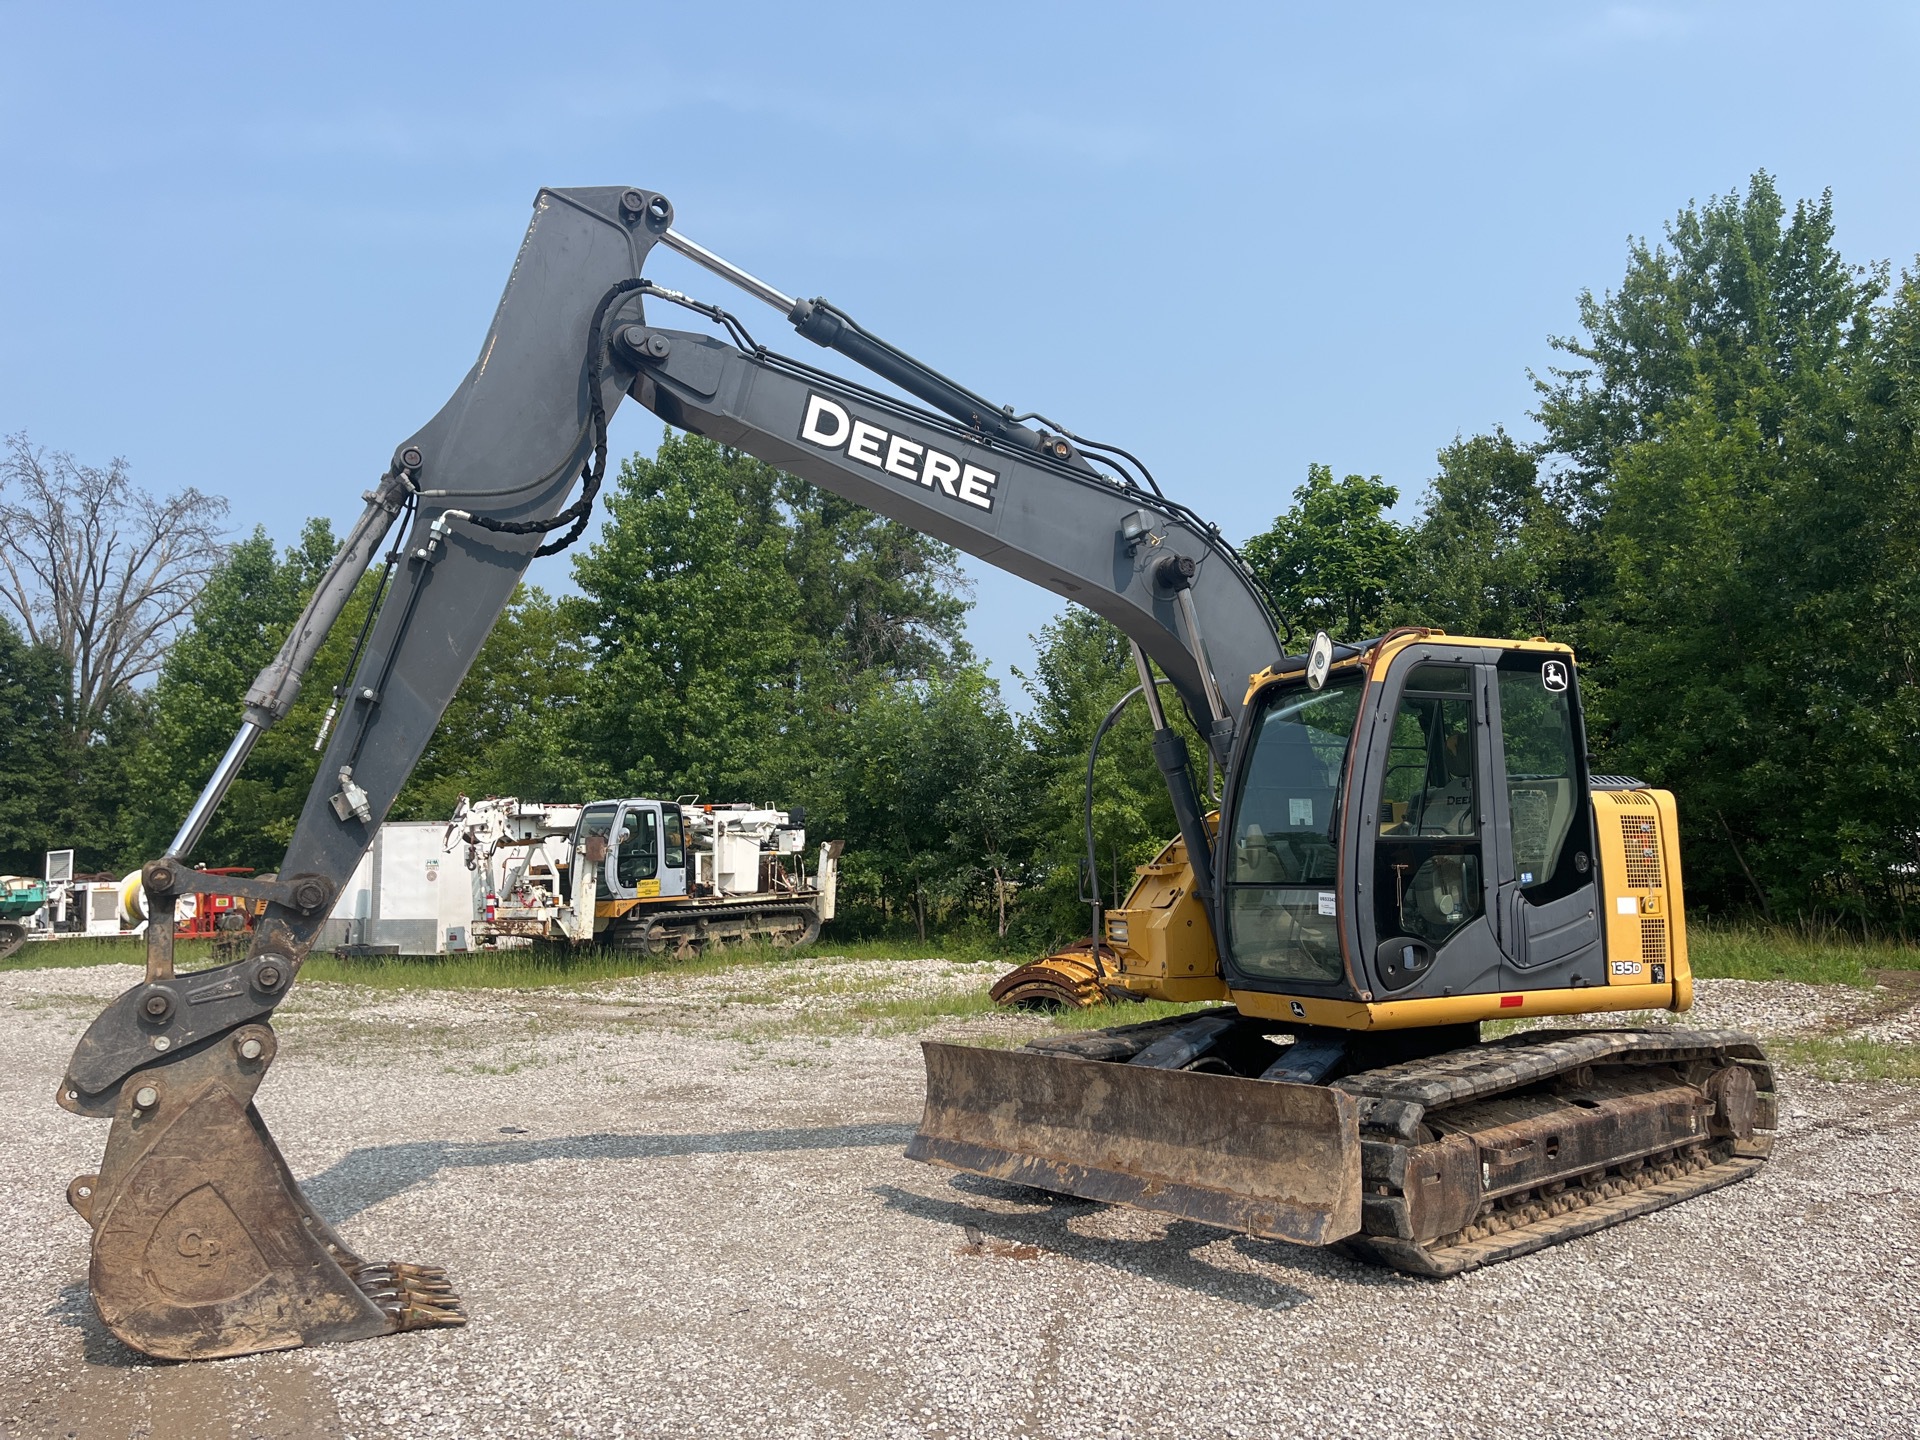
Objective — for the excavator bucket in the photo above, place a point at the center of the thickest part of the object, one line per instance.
(203, 1245)
(1266, 1158)
(1070, 979)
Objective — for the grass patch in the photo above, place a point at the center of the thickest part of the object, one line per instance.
(509, 969)
(531, 969)
(1809, 953)
(1841, 1058)
(1125, 1012)
(79, 953)
(872, 1015)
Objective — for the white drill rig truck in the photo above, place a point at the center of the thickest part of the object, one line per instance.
(664, 877)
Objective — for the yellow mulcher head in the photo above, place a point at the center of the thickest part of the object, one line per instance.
(1071, 979)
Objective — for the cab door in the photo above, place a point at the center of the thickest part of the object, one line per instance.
(633, 853)
(1548, 892)
(1428, 844)
(647, 854)
(673, 852)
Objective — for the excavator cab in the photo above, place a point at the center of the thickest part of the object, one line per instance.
(1417, 828)
(1409, 845)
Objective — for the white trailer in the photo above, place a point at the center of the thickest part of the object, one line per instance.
(406, 897)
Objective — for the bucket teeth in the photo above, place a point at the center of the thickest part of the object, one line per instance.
(412, 1297)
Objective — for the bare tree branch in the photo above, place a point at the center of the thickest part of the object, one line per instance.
(98, 569)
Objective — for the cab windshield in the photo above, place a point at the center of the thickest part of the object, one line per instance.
(1281, 866)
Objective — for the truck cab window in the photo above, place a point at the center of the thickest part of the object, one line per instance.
(596, 823)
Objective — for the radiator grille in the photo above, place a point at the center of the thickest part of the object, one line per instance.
(1653, 941)
(1642, 839)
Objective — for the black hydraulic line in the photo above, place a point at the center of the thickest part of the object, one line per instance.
(1099, 447)
(373, 613)
(576, 515)
(367, 702)
(713, 312)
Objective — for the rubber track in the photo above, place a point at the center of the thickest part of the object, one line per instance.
(1516, 1061)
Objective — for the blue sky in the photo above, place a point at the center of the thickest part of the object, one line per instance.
(251, 247)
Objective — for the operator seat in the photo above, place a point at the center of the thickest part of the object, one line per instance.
(1447, 809)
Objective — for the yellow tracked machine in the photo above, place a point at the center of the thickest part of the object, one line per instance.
(1409, 846)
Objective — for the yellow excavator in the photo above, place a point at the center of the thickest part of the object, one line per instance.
(1408, 846)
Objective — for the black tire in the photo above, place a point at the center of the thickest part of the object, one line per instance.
(12, 938)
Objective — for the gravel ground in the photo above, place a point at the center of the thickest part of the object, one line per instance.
(668, 1217)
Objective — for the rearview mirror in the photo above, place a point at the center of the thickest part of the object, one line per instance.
(1319, 659)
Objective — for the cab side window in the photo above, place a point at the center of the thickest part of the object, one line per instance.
(1429, 781)
(1544, 795)
(676, 837)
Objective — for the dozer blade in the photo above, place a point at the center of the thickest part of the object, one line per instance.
(1269, 1159)
(204, 1246)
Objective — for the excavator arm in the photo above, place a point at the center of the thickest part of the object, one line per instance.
(203, 1244)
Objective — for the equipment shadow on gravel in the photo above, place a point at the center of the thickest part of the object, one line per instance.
(74, 1309)
(1171, 1257)
(364, 1178)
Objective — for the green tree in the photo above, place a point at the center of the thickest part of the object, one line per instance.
(932, 779)
(239, 620)
(1744, 310)
(33, 750)
(1493, 553)
(1331, 562)
(1734, 442)
(733, 619)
